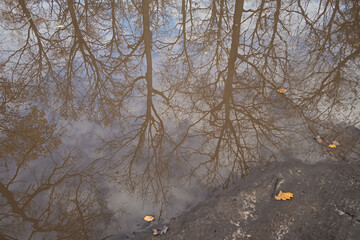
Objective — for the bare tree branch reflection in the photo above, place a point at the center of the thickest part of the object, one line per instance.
(56, 201)
(185, 88)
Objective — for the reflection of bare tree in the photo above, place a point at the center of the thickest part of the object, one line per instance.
(230, 116)
(228, 136)
(69, 57)
(196, 88)
(62, 204)
(247, 114)
(141, 146)
(333, 52)
(58, 200)
(23, 137)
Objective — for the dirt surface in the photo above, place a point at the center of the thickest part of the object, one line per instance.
(326, 205)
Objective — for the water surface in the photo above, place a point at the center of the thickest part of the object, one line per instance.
(112, 110)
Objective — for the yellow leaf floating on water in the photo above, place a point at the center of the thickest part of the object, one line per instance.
(148, 218)
(282, 90)
(332, 146)
(284, 196)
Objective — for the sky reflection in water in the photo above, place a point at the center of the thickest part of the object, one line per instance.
(113, 110)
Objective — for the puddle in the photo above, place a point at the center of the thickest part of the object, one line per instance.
(110, 111)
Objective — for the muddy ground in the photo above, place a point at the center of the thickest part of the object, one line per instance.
(326, 205)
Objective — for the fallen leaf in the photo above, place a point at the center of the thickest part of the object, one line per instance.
(206, 53)
(157, 132)
(331, 154)
(318, 138)
(282, 90)
(336, 143)
(164, 229)
(332, 146)
(160, 231)
(284, 196)
(149, 218)
(60, 26)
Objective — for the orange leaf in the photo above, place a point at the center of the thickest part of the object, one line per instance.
(282, 90)
(332, 146)
(336, 143)
(284, 196)
(148, 218)
(157, 132)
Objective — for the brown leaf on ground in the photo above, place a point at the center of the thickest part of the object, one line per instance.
(160, 231)
(318, 138)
